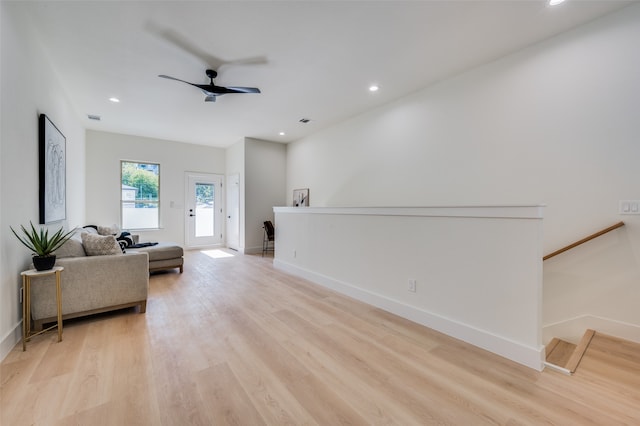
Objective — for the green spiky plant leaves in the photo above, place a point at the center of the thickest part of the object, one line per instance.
(39, 241)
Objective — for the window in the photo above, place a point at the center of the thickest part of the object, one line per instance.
(140, 199)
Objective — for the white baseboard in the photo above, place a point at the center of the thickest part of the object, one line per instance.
(239, 250)
(571, 330)
(10, 340)
(557, 368)
(253, 250)
(528, 356)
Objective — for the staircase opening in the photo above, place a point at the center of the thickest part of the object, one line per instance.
(564, 356)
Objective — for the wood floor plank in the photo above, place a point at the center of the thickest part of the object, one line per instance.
(551, 346)
(234, 341)
(561, 354)
(320, 401)
(370, 400)
(399, 378)
(92, 371)
(271, 397)
(227, 401)
(579, 351)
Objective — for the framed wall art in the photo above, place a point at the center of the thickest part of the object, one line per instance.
(301, 197)
(53, 185)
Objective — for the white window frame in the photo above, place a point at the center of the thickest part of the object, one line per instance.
(124, 200)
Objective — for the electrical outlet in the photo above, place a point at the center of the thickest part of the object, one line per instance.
(412, 286)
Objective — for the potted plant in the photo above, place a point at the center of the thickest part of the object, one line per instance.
(43, 245)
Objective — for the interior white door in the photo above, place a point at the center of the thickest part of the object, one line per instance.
(204, 206)
(233, 212)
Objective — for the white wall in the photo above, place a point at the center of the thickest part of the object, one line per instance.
(106, 150)
(262, 169)
(265, 176)
(465, 262)
(554, 124)
(28, 87)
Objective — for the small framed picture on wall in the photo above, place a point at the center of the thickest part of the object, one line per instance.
(301, 197)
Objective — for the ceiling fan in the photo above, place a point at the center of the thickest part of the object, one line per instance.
(211, 90)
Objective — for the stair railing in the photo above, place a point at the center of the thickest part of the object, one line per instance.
(584, 240)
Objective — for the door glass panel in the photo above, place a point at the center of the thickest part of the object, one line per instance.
(205, 206)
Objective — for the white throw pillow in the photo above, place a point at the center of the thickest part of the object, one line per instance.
(100, 245)
(109, 230)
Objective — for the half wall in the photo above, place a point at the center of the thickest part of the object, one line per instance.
(477, 270)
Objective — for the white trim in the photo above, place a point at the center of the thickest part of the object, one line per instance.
(528, 356)
(206, 246)
(10, 340)
(557, 368)
(252, 250)
(513, 211)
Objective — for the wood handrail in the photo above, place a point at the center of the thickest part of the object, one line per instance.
(584, 240)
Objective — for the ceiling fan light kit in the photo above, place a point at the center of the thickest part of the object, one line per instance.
(212, 91)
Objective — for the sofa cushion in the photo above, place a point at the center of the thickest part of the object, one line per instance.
(99, 245)
(72, 248)
(162, 251)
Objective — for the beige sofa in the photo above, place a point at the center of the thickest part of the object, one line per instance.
(91, 284)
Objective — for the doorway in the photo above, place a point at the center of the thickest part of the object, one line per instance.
(204, 206)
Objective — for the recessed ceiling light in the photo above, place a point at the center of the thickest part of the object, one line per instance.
(373, 88)
(555, 2)
(281, 133)
(114, 100)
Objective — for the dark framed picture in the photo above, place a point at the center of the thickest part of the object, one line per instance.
(53, 185)
(301, 197)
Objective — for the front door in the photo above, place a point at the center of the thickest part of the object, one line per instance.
(204, 207)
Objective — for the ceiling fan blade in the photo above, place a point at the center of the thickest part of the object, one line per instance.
(183, 43)
(172, 78)
(256, 60)
(182, 81)
(211, 90)
(189, 46)
(243, 89)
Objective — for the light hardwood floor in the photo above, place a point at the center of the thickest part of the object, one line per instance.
(233, 341)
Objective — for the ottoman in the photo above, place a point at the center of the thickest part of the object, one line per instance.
(164, 256)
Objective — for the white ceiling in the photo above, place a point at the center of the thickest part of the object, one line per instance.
(313, 59)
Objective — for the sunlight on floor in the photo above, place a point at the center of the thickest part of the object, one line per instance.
(216, 254)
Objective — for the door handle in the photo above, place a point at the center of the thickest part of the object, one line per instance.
(191, 214)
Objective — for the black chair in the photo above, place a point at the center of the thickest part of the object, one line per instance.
(268, 242)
